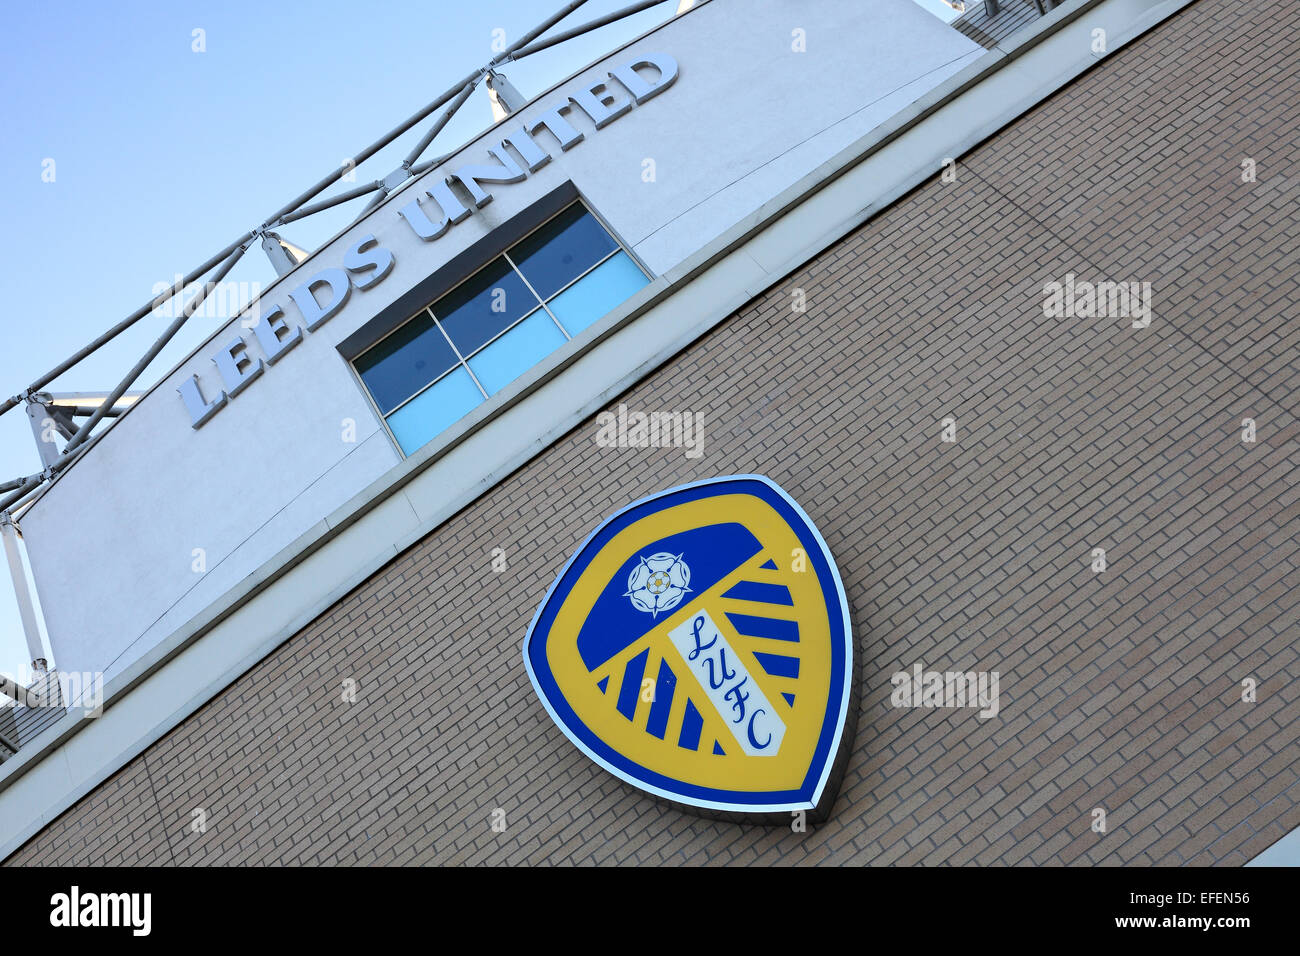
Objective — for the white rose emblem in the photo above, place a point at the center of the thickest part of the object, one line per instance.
(658, 583)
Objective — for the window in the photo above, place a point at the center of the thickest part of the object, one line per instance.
(479, 337)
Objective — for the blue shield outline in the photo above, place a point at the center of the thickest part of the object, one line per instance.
(810, 795)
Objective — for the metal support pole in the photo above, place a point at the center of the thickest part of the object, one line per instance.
(126, 323)
(369, 151)
(472, 82)
(20, 486)
(378, 198)
(26, 609)
(89, 399)
(19, 498)
(428, 164)
(190, 308)
(31, 484)
(443, 120)
(534, 33)
(37, 415)
(313, 208)
(585, 28)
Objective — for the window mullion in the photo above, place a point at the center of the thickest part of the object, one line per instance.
(540, 301)
(460, 358)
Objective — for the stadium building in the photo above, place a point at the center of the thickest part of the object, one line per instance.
(1007, 306)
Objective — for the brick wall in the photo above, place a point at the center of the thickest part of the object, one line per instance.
(1120, 690)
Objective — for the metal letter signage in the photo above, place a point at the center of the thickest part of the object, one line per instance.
(698, 646)
(238, 367)
(598, 101)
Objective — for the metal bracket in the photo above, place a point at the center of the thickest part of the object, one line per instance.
(503, 93)
(281, 260)
(38, 413)
(394, 179)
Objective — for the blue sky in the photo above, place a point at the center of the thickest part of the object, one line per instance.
(163, 155)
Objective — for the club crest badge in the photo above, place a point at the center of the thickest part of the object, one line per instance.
(698, 646)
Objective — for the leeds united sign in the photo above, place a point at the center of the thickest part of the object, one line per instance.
(442, 201)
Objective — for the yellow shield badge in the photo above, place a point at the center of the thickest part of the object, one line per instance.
(698, 646)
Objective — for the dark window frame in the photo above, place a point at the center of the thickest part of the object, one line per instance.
(462, 268)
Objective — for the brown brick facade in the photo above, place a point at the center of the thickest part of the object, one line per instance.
(1119, 690)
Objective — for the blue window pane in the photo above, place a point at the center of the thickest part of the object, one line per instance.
(478, 309)
(562, 250)
(600, 290)
(405, 362)
(438, 406)
(516, 352)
